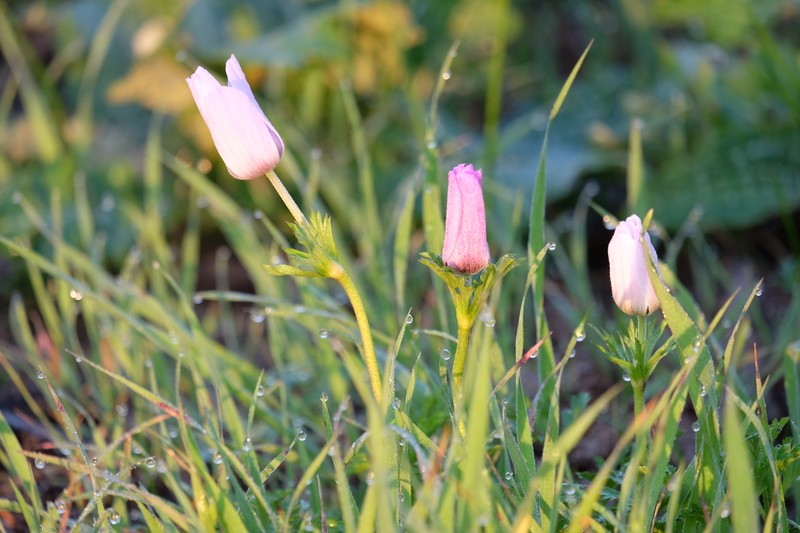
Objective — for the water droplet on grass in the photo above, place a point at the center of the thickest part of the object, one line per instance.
(551, 246)
(40, 374)
(217, 458)
(409, 319)
(626, 377)
(509, 476)
(301, 435)
(114, 518)
(324, 334)
(61, 506)
(446, 75)
(260, 391)
(299, 309)
(445, 353)
(247, 445)
(258, 214)
(39, 463)
(323, 397)
(76, 295)
(696, 426)
(396, 403)
(759, 292)
(121, 409)
(197, 299)
(607, 222)
(151, 462)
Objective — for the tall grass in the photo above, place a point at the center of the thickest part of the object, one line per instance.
(159, 406)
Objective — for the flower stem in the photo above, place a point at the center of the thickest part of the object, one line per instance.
(462, 346)
(276, 182)
(638, 408)
(366, 334)
(638, 382)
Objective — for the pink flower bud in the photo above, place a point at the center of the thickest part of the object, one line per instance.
(465, 245)
(243, 135)
(630, 284)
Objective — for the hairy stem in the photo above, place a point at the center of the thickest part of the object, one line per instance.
(294, 209)
(366, 334)
(460, 360)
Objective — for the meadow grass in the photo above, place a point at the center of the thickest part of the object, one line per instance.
(157, 405)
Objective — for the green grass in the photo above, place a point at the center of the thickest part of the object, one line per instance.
(164, 380)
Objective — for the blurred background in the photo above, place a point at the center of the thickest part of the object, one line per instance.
(712, 87)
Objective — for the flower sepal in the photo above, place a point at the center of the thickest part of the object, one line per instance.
(320, 258)
(469, 291)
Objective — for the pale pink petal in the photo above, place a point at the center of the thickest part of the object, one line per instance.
(244, 140)
(237, 80)
(630, 283)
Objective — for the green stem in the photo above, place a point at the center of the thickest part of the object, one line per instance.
(638, 408)
(366, 334)
(462, 346)
(638, 382)
(276, 182)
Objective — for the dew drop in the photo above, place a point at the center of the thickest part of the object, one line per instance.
(323, 397)
(247, 445)
(217, 458)
(760, 291)
(572, 354)
(446, 75)
(94, 461)
(696, 426)
(197, 299)
(324, 334)
(725, 512)
(608, 223)
(299, 309)
(402, 497)
(509, 476)
(76, 295)
(580, 336)
(114, 518)
(39, 463)
(569, 489)
(431, 145)
(260, 391)
(401, 442)
(40, 374)
(445, 353)
(489, 322)
(703, 391)
(626, 377)
(370, 478)
(551, 246)
(301, 435)
(409, 319)
(257, 317)
(258, 214)
(396, 403)
(121, 409)
(61, 506)
(331, 450)
(151, 462)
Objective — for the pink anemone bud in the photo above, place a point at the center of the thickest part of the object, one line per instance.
(242, 133)
(630, 284)
(465, 245)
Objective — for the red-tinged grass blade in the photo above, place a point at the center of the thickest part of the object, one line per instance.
(157, 401)
(739, 468)
(15, 463)
(530, 353)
